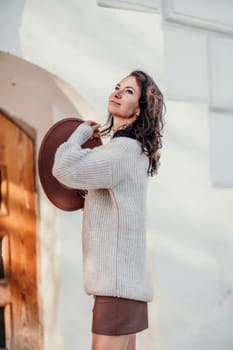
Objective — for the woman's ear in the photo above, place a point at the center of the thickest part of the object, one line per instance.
(137, 112)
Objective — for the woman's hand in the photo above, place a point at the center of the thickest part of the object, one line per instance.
(95, 127)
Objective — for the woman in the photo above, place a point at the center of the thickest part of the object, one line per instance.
(114, 227)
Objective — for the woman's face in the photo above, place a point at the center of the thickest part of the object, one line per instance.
(124, 100)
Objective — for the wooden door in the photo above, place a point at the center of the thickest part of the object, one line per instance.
(19, 321)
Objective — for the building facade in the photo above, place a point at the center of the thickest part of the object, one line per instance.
(63, 58)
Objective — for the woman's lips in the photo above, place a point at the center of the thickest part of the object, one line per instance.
(114, 102)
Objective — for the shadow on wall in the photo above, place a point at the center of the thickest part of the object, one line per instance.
(11, 18)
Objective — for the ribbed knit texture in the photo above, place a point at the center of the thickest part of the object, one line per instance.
(114, 216)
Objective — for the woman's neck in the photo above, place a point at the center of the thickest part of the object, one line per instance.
(121, 123)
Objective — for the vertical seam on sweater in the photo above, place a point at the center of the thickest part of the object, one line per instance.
(116, 271)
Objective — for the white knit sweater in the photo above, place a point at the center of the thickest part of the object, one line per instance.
(114, 216)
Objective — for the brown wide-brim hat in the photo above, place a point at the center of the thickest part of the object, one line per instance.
(61, 196)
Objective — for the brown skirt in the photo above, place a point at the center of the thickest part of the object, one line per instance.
(118, 316)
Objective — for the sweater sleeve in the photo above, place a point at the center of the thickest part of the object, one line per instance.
(86, 168)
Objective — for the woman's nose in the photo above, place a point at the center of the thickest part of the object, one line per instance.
(118, 93)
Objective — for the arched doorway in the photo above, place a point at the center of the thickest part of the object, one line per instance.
(41, 98)
(19, 314)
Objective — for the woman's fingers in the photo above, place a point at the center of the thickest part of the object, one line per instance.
(96, 133)
(95, 127)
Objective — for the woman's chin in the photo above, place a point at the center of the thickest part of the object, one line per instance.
(112, 110)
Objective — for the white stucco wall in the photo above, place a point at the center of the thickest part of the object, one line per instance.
(189, 221)
(191, 225)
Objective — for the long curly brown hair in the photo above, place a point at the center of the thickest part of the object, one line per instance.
(148, 126)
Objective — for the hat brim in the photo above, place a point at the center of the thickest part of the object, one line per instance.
(62, 197)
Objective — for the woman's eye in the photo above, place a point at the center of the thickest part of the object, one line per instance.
(116, 88)
(129, 91)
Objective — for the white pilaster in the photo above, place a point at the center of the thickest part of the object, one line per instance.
(220, 72)
(185, 55)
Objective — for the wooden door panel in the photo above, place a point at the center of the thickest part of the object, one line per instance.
(18, 288)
